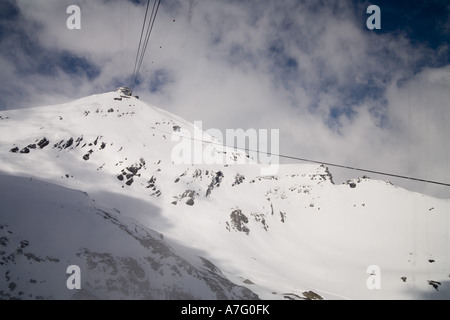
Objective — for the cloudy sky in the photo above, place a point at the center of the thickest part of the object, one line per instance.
(338, 92)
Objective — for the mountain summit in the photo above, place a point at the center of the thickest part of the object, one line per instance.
(93, 183)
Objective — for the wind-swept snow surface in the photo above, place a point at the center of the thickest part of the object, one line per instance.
(92, 183)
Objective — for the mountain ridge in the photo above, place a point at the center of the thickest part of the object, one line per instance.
(279, 236)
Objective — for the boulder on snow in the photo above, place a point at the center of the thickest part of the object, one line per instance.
(43, 143)
(188, 194)
(238, 221)
(311, 295)
(215, 182)
(134, 170)
(434, 284)
(238, 179)
(68, 143)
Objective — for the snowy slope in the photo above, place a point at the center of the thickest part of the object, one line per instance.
(288, 236)
(46, 228)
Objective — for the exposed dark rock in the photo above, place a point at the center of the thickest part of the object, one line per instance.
(434, 284)
(86, 157)
(291, 296)
(184, 173)
(12, 286)
(14, 150)
(283, 216)
(33, 257)
(310, 295)
(59, 144)
(151, 182)
(120, 177)
(215, 182)
(24, 244)
(238, 179)
(329, 175)
(260, 217)
(43, 143)
(238, 221)
(32, 146)
(78, 141)
(68, 143)
(25, 150)
(134, 170)
(188, 194)
(129, 182)
(197, 173)
(4, 241)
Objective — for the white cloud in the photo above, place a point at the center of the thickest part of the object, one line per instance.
(310, 69)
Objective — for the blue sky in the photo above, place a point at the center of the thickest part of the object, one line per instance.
(337, 91)
(422, 21)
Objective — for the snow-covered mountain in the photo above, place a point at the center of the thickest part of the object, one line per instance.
(93, 183)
